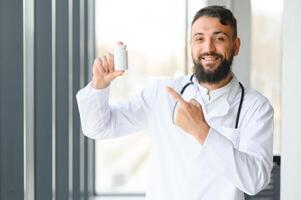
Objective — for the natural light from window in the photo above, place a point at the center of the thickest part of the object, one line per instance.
(154, 32)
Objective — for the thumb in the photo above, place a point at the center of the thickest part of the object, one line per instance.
(118, 73)
(115, 74)
(176, 96)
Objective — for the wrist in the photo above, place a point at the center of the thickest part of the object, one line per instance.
(99, 84)
(202, 133)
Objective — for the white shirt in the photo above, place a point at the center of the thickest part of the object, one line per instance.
(230, 162)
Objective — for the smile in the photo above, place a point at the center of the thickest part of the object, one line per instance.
(210, 58)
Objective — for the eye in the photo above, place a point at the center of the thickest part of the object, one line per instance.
(199, 39)
(222, 39)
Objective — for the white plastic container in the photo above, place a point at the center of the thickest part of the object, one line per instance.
(120, 57)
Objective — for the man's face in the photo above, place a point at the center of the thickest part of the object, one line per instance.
(213, 46)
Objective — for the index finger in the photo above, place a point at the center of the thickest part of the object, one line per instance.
(176, 96)
(110, 59)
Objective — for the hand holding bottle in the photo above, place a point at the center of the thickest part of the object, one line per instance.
(104, 69)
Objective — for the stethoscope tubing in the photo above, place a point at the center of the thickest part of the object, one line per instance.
(239, 107)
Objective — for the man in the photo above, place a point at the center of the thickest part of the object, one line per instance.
(213, 142)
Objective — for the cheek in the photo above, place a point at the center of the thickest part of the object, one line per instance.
(225, 52)
(230, 53)
(195, 51)
(226, 55)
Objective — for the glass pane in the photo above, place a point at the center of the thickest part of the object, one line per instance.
(154, 32)
(266, 55)
(193, 7)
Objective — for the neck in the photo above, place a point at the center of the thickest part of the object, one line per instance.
(214, 86)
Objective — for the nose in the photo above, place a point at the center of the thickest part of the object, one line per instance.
(209, 46)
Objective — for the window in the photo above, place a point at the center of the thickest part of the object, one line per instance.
(155, 34)
(267, 54)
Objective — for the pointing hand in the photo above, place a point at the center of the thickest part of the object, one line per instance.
(189, 116)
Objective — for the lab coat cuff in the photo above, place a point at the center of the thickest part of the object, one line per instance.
(98, 91)
(98, 97)
(215, 138)
(216, 149)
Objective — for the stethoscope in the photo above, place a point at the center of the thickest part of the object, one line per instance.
(240, 102)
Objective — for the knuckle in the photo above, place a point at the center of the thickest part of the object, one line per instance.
(104, 61)
(107, 56)
(97, 61)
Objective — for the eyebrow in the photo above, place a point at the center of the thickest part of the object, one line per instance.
(214, 33)
(220, 32)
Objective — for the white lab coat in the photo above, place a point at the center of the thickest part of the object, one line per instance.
(230, 162)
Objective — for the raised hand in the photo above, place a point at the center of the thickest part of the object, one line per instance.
(104, 72)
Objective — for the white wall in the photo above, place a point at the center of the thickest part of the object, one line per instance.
(291, 102)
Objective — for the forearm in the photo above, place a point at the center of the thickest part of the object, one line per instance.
(250, 172)
(94, 111)
(100, 120)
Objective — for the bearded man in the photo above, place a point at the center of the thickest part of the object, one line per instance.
(211, 138)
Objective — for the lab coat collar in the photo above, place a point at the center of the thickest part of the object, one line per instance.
(220, 99)
(234, 90)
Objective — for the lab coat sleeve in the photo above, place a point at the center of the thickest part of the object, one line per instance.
(249, 165)
(101, 120)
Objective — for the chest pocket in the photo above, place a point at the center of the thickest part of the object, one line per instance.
(232, 134)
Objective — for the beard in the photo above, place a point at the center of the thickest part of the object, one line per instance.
(220, 73)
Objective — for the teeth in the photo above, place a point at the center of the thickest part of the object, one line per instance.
(210, 58)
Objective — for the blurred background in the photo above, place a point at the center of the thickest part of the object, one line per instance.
(47, 51)
(157, 43)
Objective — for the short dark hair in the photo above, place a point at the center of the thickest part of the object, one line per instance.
(224, 15)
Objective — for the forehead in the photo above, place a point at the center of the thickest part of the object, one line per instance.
(209, 25)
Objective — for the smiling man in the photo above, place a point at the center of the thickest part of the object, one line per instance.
(211, 136)
(214, 43)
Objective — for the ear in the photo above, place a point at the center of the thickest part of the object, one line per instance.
(236, 46)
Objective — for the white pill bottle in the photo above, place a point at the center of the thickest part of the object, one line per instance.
(120, 57)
